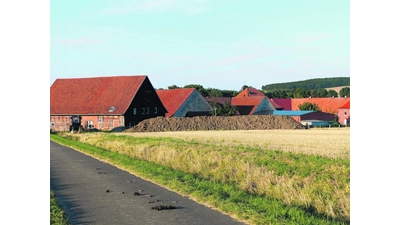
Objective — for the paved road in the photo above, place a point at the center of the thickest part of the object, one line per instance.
(81, 182)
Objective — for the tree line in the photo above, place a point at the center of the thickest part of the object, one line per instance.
(299, 92)
(311, 84)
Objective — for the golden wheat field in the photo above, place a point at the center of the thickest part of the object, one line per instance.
(328, 142)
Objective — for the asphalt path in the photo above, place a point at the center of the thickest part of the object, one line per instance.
(93, 192)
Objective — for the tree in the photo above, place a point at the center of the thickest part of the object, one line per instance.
(309, 106)
(301, 93)
(225, 109)
(173, 87)
(344, 92)
(229, 93)
(213, 92)
(332, 93)
(244, 87)
(277, 93)
(322, 92)
(199, 88)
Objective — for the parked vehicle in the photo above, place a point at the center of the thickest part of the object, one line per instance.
(76, 124)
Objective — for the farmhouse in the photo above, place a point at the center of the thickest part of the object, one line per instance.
(184, 102)
(344, 114)
(103, 103)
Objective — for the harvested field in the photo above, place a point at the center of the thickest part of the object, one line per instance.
(328, 142)
(246, 122)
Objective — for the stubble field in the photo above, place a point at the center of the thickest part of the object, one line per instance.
(328, 142)
(295, 174)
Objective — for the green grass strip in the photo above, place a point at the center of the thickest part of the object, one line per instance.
(225, 197)
(57, 214)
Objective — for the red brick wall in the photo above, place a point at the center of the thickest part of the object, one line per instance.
(342, 116)
(62, 123)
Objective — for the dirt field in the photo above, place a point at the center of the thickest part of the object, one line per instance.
(248, 122)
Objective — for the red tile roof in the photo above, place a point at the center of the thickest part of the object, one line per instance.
(249, 92)
(328, 105)
(274, 104)
(285, 103)
(249, 101)
(172, 99)
(93, 96)
(345, 106)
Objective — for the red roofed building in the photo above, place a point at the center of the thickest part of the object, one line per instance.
(103, 103)
(284, 103)
(328, 105)
(184, 102)
(256, 105)
(251, 92)
(344, 114)
(252, 102)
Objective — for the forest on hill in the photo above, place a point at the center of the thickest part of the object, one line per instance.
(298, 89)
(310, 84)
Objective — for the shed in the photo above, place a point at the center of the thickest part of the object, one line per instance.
(103, 103)
(305, 115)
(184, 102)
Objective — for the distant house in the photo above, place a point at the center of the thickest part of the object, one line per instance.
(344, 114)
(248, 102)
(256, 105)
(253, 102)
(328, 105)
(307, 117)
(184, 102)
(103, 103)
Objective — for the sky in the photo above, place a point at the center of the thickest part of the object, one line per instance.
(42, 41)
(221, 44)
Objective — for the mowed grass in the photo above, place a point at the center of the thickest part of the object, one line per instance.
(262, 177)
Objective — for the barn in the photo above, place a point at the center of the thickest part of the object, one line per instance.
(103, 103)
(252, 102)
(256, 105)
(184, 102)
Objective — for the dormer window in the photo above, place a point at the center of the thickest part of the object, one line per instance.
(112, 108)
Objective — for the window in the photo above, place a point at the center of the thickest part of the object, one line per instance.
(345, 113)
(134, 111)
(142, 110)
(111, 109)
(155, 110)
(147, 110)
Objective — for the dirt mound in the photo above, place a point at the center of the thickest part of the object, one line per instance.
(247, 122)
